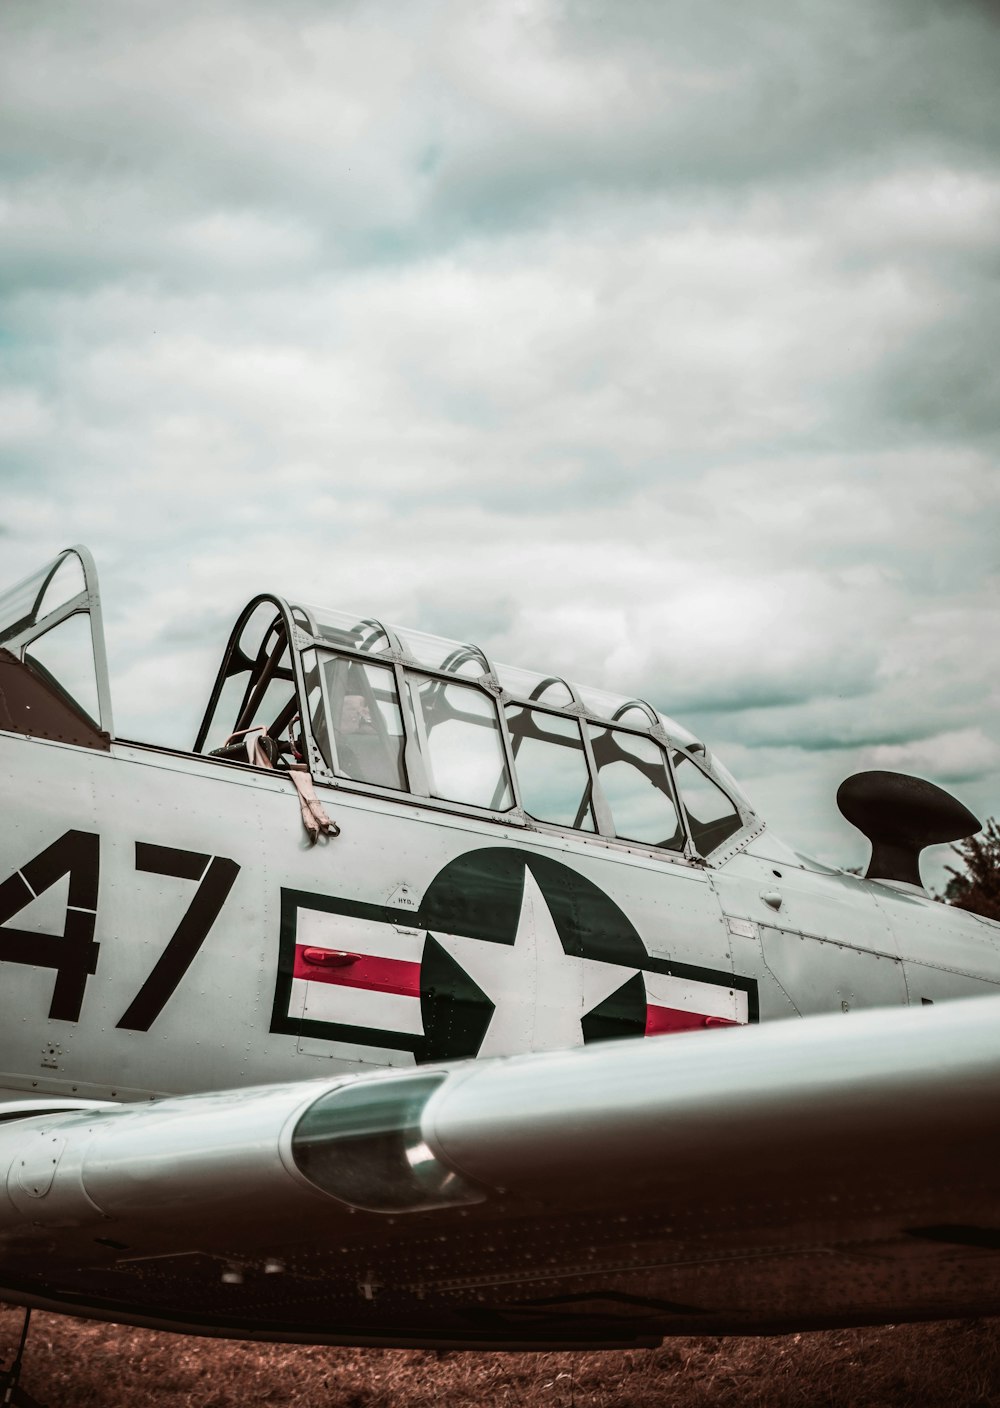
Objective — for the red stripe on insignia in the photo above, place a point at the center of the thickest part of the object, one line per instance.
(677, 1019)
(393, 975)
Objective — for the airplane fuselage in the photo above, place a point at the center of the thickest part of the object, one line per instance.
(388, 856)
(184, 936)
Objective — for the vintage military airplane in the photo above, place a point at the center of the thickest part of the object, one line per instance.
(236, 1054)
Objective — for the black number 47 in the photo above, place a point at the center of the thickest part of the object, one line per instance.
(73, 953)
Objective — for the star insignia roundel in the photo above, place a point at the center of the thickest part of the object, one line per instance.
(523, 953)
(508, 952)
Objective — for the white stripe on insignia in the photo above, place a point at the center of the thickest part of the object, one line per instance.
(688, 995)
(357, 1007)
(318, 929)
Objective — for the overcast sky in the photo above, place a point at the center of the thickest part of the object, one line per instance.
(652, 343)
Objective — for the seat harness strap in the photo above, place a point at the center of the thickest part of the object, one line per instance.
(315, 818)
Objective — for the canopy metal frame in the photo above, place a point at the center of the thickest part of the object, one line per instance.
(299, 628)
(16, 636)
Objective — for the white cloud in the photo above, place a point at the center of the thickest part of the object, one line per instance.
(652, 344)
(24, 418)
(948, 757)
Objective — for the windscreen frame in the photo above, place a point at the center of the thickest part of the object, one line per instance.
(32, 625)
(235, 661)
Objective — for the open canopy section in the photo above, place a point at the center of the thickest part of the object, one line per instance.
(52, 655)
(258, 683)
(398, 711)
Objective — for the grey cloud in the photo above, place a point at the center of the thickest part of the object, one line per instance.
(823, 730)
(948, 385)
(706, 99)
(961, 755)
(407, 134)
(649, 343)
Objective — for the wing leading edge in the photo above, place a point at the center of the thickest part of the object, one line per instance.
(827, 1172)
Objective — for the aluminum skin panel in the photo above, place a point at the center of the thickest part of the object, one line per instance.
(941, 962)
(822, 975)
(818, 938)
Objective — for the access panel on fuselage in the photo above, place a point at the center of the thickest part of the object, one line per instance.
(818, 940)
(946, 952)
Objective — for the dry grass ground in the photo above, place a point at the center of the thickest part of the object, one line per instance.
(77, 1364)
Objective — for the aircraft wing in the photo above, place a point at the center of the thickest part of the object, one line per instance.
(839, 1170)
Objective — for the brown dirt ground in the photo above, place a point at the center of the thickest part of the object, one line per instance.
(80, 1364)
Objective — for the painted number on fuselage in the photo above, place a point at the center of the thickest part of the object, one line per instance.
(215, 875)
(74, 952)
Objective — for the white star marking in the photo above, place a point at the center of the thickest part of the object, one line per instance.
(539, 991)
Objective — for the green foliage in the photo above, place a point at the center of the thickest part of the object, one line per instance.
(977, 888)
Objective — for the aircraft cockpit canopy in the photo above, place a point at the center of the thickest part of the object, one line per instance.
(390, 710)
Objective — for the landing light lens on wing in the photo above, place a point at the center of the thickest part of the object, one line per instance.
(363, 1144)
